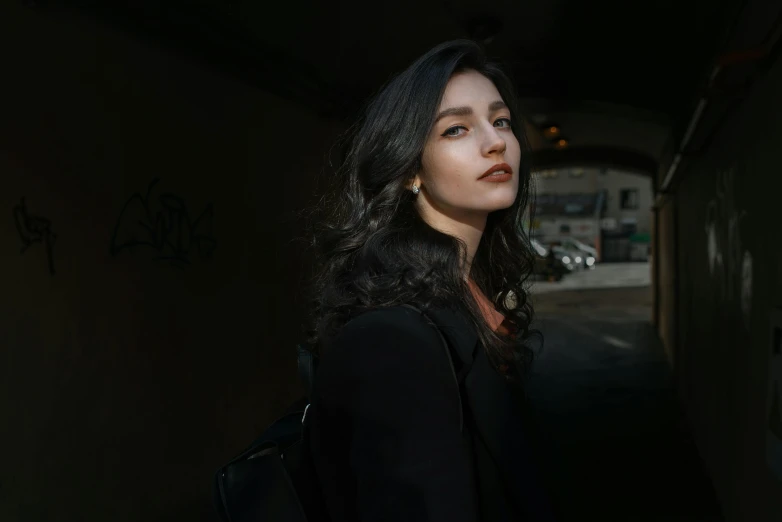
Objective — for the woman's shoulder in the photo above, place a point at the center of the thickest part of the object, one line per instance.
(386, 318)
(385, 338)
(384, 355)
(378, 325)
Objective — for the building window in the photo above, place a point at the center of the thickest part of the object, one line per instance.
(628, 199)
(549, 174)
(576, 173)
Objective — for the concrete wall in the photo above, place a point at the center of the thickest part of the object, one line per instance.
(125, 380)
(666, 282)
(729, 264)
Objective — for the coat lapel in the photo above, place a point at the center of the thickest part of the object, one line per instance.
(497, 415)
(458, 331)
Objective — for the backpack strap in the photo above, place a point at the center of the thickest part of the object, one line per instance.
(459, 379)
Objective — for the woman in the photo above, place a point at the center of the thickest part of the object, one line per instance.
(427, 213)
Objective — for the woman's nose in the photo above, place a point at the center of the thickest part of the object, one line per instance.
(493, 142)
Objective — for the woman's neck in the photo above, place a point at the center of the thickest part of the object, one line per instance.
(472, 238)
(467, 227)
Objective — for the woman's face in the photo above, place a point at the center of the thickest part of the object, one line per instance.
(471, 137)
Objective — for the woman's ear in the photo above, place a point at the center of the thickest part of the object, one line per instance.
(415, 181)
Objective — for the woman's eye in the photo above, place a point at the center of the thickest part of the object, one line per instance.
(454, 131)
(503, 123)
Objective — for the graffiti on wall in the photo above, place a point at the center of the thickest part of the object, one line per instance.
(730, 263)
(165, 227)
(34, 229)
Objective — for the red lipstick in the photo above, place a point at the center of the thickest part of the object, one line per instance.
(498, 173)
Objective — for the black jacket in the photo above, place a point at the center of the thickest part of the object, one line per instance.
(385, 426)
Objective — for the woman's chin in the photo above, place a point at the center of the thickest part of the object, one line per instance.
(501, 201)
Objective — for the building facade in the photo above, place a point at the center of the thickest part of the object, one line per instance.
(606, 208)
(628, 201)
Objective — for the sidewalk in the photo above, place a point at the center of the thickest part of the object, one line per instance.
(604, 275)
(612, 441)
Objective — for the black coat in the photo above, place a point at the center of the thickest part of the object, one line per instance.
(385, 426)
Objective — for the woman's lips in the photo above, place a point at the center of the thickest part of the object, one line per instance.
(497, 178)
(498, 173)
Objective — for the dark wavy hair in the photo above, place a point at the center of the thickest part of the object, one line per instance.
(372, 247)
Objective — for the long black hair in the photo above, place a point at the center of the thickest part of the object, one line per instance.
(374, 250)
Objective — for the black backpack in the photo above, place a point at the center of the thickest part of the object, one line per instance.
(274, 479)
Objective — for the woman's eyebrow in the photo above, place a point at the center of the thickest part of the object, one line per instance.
(454, 111)
(466, 111)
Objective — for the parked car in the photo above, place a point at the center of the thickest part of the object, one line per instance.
(573, 259)
(582, 255)
(589, 253)
(550, 263)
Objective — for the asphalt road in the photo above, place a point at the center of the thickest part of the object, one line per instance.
(610, 436)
